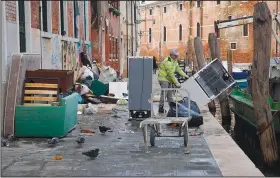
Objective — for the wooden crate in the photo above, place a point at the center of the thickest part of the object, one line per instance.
(66, 77)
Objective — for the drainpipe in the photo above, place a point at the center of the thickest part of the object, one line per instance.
(277, 29)
(85, 20)
(132, 22)
(127, 38)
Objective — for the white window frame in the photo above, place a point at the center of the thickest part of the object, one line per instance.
(199, 3)
(163, 34)
(181, 4)
(235, 45)
(28, 28)
(243, 30)
(149, 36)
(49, 16)
(150, 11)
(65, 16)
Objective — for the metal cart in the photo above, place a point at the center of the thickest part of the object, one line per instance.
(155, 121)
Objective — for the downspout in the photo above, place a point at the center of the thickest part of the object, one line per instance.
(132, 23)
(276, 29)
(136, 25)
(126, 39)
(85, 21)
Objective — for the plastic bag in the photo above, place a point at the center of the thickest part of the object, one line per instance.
(107, 74)
(91, 109)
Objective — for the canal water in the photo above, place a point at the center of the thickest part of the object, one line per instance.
(229, 127)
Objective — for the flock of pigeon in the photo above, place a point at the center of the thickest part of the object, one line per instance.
(81, 140)
(54, 141)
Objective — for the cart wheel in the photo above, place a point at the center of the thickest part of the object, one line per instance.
(152, 137)
(186, 136)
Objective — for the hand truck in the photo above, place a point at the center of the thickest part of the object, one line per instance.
(155, 121)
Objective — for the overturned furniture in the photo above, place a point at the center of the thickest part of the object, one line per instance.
(66, 77)
(44, 113)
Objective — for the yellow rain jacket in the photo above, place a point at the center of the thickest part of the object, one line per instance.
(167, 69)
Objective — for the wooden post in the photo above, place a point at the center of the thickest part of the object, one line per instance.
(190, 52)
(199, 52)
(260, 81)
(229, 61)
(215, 53)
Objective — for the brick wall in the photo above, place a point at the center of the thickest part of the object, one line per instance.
(209, 12)
(55, 17)
(11, 11)
(35, 19)
(70, 18)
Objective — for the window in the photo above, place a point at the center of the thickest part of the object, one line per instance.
(150, 35)
(61, 17)
(22, 35)
(45, 15)
(76, 11)
(110, 48)
(151, 11)
(113, 48)
(233, 46)
(181, 7)
(229, 3)
(218, 2)
(180, 32)
(198, 3)
(164, 10)
(164, 34)
(117, 50)
(198, 29)
(229, 17)
(245, 30)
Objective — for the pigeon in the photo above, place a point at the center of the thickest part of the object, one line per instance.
(124, 94)
(92, 153)
(4, 142)
(53, 141)
(80, 140)
(103, 129)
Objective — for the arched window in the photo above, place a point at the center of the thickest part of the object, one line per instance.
(198, 29)
(164, 33)
(180, 32)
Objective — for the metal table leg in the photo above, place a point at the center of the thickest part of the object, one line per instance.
(145, 134)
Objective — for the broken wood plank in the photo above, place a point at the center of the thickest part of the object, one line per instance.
(38, 98)
(40, 85)
(262, 23)
(199, 52)
(42, 92)
(11, 95)
(215, 53)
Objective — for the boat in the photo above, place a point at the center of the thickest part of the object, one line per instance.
(245, 128)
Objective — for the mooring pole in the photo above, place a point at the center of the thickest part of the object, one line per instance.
(262, 24)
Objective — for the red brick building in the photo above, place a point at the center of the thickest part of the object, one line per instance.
(176, 21)
(105, 32)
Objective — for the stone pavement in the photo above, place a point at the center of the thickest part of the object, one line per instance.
(121, 154)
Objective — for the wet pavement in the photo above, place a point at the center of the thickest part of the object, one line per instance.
(121, 153)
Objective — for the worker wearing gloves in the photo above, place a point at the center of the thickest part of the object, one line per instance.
(166, 76)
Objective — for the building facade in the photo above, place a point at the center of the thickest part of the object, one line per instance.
(177, 21)
(105, 32)
(58, 30)
(129, 32)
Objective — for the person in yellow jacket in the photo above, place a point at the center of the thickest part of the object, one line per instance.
(166, 76)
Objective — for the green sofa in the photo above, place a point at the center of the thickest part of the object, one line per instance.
(47, 121)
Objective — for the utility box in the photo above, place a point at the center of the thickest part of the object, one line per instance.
(209, 83)
(140, 81)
